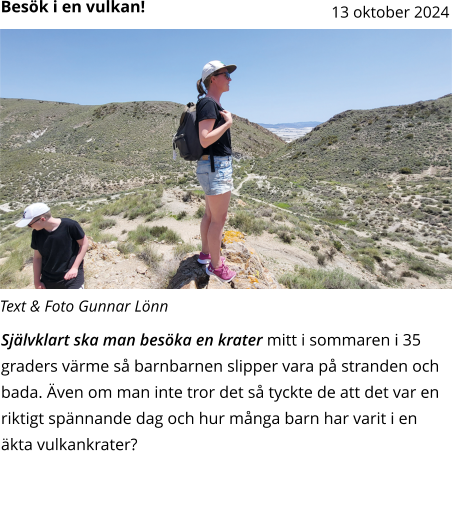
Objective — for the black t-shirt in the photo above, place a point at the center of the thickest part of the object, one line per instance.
(58, 248)
(208, 109)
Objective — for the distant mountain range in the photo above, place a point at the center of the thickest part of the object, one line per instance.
(296, 125)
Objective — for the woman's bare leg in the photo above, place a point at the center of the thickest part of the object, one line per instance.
(218, 207)
(205, 224)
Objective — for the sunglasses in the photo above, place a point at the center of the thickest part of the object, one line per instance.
(34, 221)
(228, 76)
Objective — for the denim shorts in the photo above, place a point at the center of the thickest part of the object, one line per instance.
(218, 182)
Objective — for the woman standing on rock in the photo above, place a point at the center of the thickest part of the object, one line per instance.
(214, 125)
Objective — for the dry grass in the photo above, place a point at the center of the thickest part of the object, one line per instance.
(11, 276)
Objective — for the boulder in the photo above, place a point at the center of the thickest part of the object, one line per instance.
(251, 272)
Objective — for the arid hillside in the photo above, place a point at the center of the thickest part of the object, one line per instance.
(54, 150)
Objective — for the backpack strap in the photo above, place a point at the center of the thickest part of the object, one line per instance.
(212, 161)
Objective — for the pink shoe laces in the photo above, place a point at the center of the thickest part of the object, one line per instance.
(224, 271)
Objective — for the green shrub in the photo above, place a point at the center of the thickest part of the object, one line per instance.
(405, 170)
(422, 267)
(442, 249)
(140, 235)
(200, 212)
(106, 223)
(149, 255)
(285, 236)
(159, 190)
(106, 238)
(157, 230)
(170, 237)
(305, 278)
(367, 262)
(126, 248)
(142, 209)
(10, 271)
(144, 233)
(409, 274)
(82, 219)
(183, 249)
(321, 259)
(245, 222)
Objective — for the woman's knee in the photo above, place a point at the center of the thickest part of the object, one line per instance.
(219, 219)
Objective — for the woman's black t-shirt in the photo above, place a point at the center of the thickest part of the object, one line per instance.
(208, 109)
(58, 248)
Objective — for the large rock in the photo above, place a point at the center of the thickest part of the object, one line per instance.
(251, 273)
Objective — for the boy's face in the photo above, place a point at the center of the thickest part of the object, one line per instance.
(37, 223)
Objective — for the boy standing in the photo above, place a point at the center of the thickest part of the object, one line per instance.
(59, 246)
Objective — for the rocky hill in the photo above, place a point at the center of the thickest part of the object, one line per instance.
(55, 150)
(360, 145)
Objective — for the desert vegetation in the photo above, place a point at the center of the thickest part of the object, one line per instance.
(363, 204)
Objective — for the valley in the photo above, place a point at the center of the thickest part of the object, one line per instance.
(362, 200)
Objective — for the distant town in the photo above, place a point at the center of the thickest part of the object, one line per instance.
(290, 131)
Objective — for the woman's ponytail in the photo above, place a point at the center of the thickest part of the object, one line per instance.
(206, 83)
(200, 89)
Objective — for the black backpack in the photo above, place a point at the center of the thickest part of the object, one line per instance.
(186, 139)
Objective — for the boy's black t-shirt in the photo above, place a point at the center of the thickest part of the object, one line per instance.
(208, 109)
(58, 248)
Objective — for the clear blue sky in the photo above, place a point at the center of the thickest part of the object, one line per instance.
(282, 75)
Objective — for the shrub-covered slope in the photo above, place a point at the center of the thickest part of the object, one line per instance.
(368, 144)
(54, 150)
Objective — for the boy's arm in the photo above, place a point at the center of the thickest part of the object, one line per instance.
(37, 265)
(83, 247)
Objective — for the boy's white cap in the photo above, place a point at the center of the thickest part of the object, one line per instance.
(213, 66)
(32, 211)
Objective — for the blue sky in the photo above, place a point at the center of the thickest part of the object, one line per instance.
(282, 75)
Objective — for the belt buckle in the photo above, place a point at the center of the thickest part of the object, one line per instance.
(205, 157)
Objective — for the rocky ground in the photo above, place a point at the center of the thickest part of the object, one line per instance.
(259, 260)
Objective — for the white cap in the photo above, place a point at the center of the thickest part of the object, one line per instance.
(213, 66)
(32, 211)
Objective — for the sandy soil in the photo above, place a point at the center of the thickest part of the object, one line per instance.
(107, 268)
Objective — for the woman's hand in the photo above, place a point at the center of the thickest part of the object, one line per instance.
(227, 116)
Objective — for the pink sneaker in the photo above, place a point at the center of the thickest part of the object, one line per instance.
(223, 273)
(205, 258)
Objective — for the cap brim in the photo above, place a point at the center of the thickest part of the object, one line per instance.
(231, 68)
(24, 222)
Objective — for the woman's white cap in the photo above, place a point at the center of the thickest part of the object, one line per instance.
(32, 211)
(213, 66)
